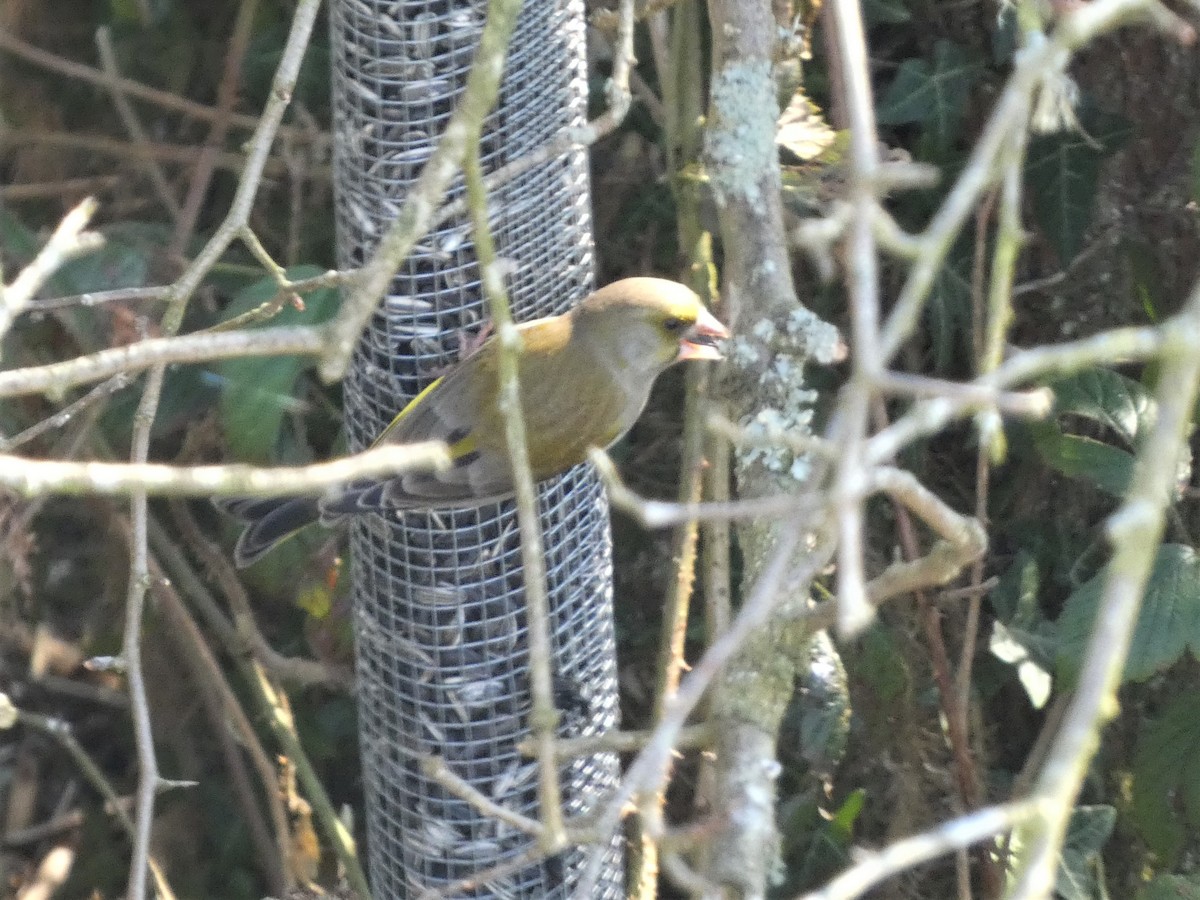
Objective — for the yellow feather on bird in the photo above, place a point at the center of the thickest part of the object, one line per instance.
(584, 376)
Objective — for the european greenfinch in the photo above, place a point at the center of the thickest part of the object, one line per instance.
(584, 376)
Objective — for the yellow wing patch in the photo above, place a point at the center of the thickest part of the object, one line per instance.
(464, 450)
(406, 412)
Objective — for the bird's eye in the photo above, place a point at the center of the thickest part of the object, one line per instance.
(674, 324)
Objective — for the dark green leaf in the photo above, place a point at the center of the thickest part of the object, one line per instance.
(949, 309)
(1004, 36)
(885, 12)
(934, 95)
(842, 822)
(1089, 828)
(1108, 398)
(1166, 778)
(1148, 280)
(1015, 597)
(1171, 887)
(256, 393)
(1063, 170)
(1168, 622)
(882, 666)
(1107, 467)
(20, 245)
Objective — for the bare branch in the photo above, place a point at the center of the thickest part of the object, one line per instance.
(33, 477)
(543, 717)
(54, 379)
(10, 43)
(68, 240)
(1040, 60)
(108, 58)
(873, 868)
(1135, 531)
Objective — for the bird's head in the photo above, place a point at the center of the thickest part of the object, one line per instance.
(646, 324)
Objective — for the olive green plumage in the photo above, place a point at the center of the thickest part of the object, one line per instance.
(584, 378)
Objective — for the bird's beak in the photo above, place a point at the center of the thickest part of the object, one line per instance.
(700, 341)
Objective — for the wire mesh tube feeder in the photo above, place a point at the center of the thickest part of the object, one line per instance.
(440, 623)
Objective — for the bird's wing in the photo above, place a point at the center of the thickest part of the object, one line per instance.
(569, 404)
(449, 410)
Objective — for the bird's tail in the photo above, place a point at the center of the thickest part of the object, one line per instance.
(268, 521)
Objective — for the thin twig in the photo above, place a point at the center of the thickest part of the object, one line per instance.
(61, 732)
(98, 394)
(97, 298)
(68, 240)
(227, 93)
(236, 733)
(10, 43)
(131, 643)
(905, 854)
(32, 477)
(963, 538)
(122, 149)
(1035, 404)
(239, 212)
(330, 278)
(279, 717)
(1120, 345)
(108, 59)
(543, 717)
(1135, 531)
(435, 768)
(655, 514)
(485, 877)
(54, 379)
(63, 187)
(566, 749)
(677, 604)
(862, 286)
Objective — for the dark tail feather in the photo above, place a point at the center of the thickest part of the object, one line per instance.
(268, 521)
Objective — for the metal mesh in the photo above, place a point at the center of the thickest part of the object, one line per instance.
(439, 601)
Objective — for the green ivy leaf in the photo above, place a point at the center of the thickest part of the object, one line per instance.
(257, 392)
(1005, 36)
(1123, 407)
(1166, 778)
(1171, 887)
(1148, 280)
(948, 312)
(934, 95)
(885, 12)
(1089, 828)
(882, 666)
(1063, 170)
(1168, 622)
(1107, 467)
(1109, 399)
(842, 821)
(1015, 596)
(1022, 637)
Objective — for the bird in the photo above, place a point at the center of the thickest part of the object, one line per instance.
(584, 377)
